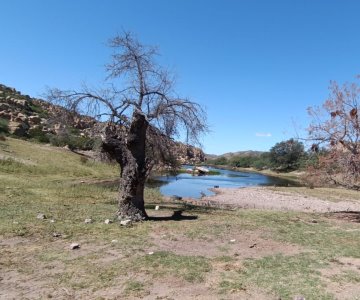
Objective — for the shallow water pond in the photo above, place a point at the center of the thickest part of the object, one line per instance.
(187, 185)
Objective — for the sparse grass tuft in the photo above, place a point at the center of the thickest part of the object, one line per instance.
(162, 263)
(135, 288)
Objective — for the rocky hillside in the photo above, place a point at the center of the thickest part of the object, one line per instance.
(24, 114)
(27, 117)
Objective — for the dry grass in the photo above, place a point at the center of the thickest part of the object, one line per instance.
(202, 253)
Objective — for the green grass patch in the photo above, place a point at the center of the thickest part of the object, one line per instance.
(190, 268)
(289, 276)
(4, 126)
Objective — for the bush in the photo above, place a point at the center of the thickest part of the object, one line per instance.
(38, 109)
(82, 143)
(287, 155)
(262, 162)
(73, 142)
(244, 161)
(4, 126)
(221, 161)
(38, 135)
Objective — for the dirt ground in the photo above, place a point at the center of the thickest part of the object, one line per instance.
(266, 198)
(228, 241)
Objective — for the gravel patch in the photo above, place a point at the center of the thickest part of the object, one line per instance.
(264, 198)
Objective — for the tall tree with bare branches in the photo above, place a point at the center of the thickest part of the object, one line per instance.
(336, 126)
(142, 117)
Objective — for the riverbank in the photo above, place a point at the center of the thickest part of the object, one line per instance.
(301, 199)
(294, 175)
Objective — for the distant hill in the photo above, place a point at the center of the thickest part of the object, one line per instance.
(229, 155)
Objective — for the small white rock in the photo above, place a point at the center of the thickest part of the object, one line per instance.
(88, 221)
(232, 241)
(107, 221)
(157, 207)
(52, 221)
(114, 241)
(15, 222)
(151, 253)
(125, 222)
(74, 246)
(41, 216)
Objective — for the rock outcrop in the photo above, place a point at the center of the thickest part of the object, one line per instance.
(25, 114)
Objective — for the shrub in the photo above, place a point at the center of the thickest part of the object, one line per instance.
(73, 142)
(38, 135)
(262, 162)
(242, 161)
(286, 156)
(38, 109)
(4, 126)
(219, 161)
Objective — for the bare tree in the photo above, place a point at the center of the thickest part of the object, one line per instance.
(142, 117)
(336, 126)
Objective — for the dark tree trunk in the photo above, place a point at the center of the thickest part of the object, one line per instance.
(128, 148)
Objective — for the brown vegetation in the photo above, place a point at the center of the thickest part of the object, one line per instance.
(336, 126)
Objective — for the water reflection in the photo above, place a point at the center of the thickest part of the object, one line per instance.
(186, 185)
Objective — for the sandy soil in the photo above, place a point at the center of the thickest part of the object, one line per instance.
(265, 198)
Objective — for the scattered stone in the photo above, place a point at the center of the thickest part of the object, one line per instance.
(15, 222)
(88, 221)
(232, 241)
(314, 221)
(157, 207)
(55, 234)
(125, 222)
(21, 118)
(4, 106)
(17, 128)
(108, 221)
(74, 246)
(41, 217)
(299, 298)
(151, 253)
(52, 221)
(252, 246)
(34, 119)
(114, 241)
(82, 181)
(6, 115)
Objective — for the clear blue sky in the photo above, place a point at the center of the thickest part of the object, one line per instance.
(255, 65)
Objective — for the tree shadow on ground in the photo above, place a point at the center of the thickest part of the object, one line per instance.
(176, 216)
